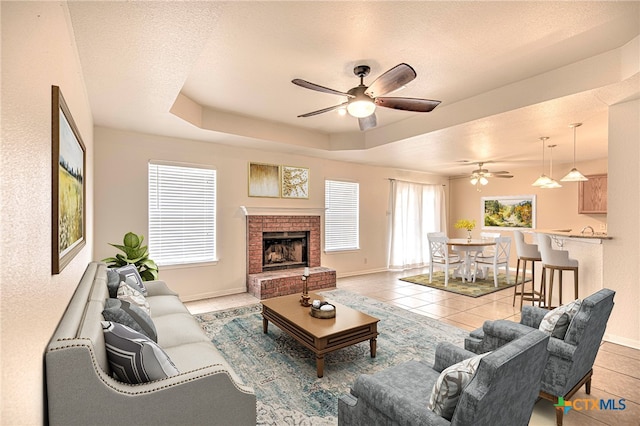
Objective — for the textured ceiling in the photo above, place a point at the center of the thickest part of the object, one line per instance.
(506, 73)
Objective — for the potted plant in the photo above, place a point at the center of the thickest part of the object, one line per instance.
(134, 254)
(466, 224)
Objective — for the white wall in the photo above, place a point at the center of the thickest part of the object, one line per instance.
(622, 253)
(121, 204)
(37, 51)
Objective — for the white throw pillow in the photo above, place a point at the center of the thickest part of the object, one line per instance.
(133, 296)
(450, 384)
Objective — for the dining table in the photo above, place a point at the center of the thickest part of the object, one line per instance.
(469, 248)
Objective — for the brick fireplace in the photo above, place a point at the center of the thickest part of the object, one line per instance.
(282, 276)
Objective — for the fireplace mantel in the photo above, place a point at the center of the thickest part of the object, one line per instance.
(282, 211)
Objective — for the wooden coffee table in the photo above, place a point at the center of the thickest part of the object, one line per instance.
(320, 335)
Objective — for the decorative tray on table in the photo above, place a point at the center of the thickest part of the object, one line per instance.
(322, 310)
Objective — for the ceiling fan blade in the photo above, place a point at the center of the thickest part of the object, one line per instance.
(320, 111)
(318, 88)
(407, 104)
(391, 80)
(368, 122)
(502, 172)
(503, 176)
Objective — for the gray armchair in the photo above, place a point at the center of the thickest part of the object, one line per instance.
(571, 359)
(502, 392)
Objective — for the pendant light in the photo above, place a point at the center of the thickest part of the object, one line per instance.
(543, 179)
(574, 175)
(553, 183)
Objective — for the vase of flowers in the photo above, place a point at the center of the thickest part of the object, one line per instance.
(466, 224)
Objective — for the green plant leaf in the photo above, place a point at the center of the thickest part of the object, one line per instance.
(149, 264)
(136, 254)
(118, 246)
(123, 259)
(131, 240)
(149, 275)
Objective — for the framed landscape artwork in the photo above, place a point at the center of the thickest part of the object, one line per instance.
(510, 212)
(295, 182)
(264, 180)
(68, 198)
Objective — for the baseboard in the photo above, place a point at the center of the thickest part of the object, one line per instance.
(209, 295)
(635, 344)
(354, 273)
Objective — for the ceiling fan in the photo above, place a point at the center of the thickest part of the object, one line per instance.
(362, 100)
(479, 176)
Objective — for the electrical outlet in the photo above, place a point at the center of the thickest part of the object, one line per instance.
(603, 227)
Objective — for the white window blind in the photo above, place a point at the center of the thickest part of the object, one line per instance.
(182, 214)
(342, 225)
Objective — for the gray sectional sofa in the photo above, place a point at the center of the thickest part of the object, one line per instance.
(81, 389)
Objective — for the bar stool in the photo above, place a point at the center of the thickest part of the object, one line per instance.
(555, 260)
(526, 253)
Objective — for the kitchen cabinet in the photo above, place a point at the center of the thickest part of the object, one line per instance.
(592, 195)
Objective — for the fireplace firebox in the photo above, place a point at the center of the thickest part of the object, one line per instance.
(284, 250)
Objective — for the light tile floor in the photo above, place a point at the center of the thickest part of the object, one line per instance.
(616, 371)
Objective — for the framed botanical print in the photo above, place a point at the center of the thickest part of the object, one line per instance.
(68, 197)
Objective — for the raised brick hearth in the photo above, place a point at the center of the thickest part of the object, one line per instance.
(268, 284)
(289, 281)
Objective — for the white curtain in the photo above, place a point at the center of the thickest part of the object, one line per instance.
(415, 210)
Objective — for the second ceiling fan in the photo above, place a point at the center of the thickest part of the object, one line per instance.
(362, 100)
(479, 176)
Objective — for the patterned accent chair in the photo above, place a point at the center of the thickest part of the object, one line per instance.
(503, 389)
(571, 359)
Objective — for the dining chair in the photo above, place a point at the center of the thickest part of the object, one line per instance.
(440, 255)
(500, 259)
(489, 251)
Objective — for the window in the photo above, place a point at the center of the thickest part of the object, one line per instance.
(342, 225)
(182, 214)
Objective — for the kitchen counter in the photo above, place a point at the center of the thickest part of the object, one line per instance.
(573, 234)
(588, 251)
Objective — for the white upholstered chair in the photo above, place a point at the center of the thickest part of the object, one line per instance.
(440, 255)
(526, 253)
(555, 260)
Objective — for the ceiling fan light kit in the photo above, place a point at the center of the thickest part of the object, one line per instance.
(362, 105)
(479, 176)
(574, 174)
(362, 100)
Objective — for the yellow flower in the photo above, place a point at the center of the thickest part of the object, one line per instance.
(465, 224)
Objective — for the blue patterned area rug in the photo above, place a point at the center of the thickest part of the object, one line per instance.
(283, 373)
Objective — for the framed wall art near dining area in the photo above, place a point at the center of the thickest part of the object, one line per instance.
(68, 193)
(509, 212)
